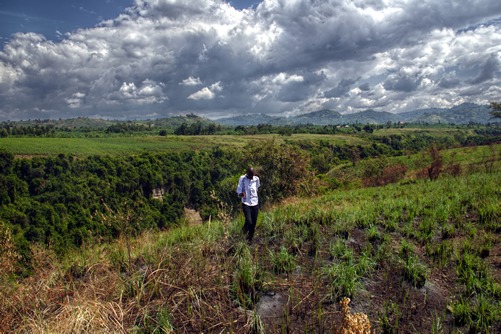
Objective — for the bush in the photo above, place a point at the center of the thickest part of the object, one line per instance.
(454, 170)
(283, 169)
(378, 172)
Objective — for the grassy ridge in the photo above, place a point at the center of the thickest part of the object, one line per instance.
(27, 146)
(464, 159)
(417, 256)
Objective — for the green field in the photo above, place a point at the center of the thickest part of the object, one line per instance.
(431, 131)
(30, 146)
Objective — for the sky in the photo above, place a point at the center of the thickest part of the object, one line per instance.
(138, 59)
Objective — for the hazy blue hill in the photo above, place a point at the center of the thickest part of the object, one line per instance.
(252, 119)
(469, 112)
(175, 121)
(462, 114)
(409, 115)
(83, 122)
(370, 117)
(423, 115)
(430, 118)
(321, 117)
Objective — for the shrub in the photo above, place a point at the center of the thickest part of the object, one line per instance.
(378, 172)
(454, 170)
(373, 234)
(389, 316)
(393, 174)
(478, 315)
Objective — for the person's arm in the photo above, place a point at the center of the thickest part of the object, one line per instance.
(240, 190)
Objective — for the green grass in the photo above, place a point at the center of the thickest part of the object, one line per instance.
(439, 131)
(468, 159)
(120, 145)
(104, 146)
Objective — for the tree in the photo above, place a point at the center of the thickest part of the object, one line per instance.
(436, 163)
(6, 162)
(283, 170)
(496, 109)
(354, 155)
(369, 128)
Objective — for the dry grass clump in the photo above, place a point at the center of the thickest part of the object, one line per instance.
(194, 284)
(53, 300)
(8, 260)
(9, 256)
(78, 316)
(125, 287)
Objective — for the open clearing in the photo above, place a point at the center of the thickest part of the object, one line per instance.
(30, 146)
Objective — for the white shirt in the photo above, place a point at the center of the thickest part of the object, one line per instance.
(249, 187)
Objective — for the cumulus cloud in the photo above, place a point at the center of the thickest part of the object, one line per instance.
(149, 92)
(282, 56)
(206, 93)
(191, 81)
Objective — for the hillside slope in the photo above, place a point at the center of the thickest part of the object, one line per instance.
(417, 256)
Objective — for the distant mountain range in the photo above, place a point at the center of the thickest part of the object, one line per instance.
(465, 113)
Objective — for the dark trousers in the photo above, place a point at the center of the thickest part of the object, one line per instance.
(250, 213)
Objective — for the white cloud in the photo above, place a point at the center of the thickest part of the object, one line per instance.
(206, 93)
(203, 94)
(191, 81)
(284, 78)
(149, 92)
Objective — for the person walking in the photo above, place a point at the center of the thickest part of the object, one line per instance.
(248, 185)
